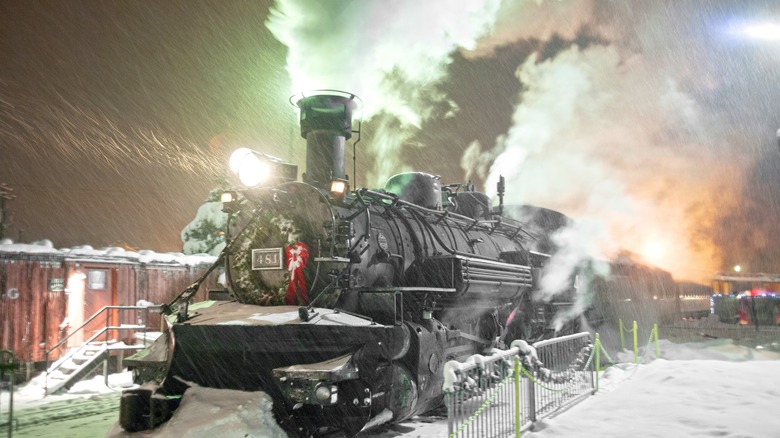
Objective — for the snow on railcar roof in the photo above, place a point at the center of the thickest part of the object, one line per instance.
(108, 254)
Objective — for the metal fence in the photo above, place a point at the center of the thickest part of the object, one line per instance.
(504, 393)
(565, 376)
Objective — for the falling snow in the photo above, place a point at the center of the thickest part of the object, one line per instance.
(656, 121)
(653, 124)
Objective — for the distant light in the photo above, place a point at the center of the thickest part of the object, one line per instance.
(653, 252)
(737, 268)
(227, 197)
(763, 31)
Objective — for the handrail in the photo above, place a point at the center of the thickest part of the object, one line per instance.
(465, 220)
(62, 341)
(103, 331)
(103, 309)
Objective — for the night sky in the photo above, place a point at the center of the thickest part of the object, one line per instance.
(654, 122)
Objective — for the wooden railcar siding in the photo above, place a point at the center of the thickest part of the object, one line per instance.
(30, 323)
(32, 320)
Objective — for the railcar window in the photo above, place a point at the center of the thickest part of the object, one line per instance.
(96, 279)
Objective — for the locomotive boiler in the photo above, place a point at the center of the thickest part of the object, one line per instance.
(345, 304)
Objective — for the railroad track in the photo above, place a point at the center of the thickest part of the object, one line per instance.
(69, 409)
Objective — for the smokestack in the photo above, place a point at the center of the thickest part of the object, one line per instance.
(326, 124)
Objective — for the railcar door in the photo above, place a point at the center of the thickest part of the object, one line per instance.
(99, 291)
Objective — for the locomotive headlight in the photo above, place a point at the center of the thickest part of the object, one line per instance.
(254, 168)
(237, 157)
(338, 189)
(323, 392)
(253, 171)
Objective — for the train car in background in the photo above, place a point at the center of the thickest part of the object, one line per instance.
(33, 302)
(732, 284)
(636, 291)
(45, 293)
(633, 289)
(747, 298)
(695, 299)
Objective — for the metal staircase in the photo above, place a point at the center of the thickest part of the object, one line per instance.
(80, 361)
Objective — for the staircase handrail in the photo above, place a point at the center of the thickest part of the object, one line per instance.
(102, 331)
(79, 348)
(103, 309)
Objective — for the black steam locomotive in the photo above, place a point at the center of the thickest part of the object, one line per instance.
(346, 304)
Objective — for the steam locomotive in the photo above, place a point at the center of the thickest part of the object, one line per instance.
(345, 304)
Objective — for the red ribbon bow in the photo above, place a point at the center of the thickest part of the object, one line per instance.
(297, 256)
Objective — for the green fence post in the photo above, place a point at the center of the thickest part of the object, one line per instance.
(622, 338)
(636, 356)
(598, 359)
(655, 333)
(518, 414)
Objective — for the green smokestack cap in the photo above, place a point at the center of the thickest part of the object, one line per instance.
(326, 110)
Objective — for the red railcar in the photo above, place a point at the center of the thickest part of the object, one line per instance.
(46, 292)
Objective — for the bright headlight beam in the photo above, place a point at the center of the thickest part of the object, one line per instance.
(763, 31)
(253, 171)
(237, 157)
(250, 168)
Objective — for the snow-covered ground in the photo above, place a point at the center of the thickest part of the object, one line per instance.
(714, 388)
(709, 389)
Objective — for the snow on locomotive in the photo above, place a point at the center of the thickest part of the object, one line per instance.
(346, 304)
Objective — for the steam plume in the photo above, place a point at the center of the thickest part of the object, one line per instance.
(393, 54)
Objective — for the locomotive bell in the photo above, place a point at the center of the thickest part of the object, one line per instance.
(326, 124)
(417, 188)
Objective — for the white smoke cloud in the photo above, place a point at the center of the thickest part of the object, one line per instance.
(605, 138)
(621, 131)
(540, 20)
(613, 136)
(576, 243)
(392, 54)
(476, 162)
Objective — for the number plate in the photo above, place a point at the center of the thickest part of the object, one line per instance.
(266, 259)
